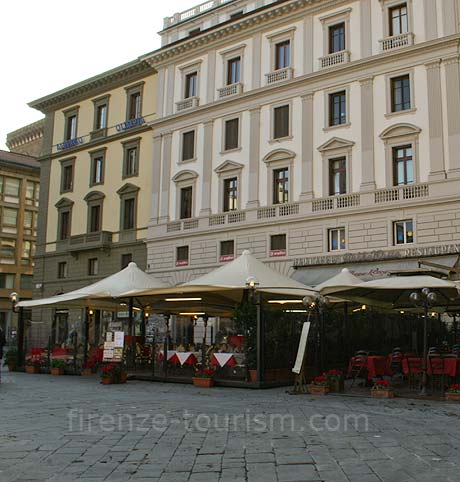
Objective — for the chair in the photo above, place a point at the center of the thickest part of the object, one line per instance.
(437, 373)
(456, 350)
(358, 365)
(415, 369)
(396, 358)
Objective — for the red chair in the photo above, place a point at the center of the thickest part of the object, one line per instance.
(415, 371)
(437, 372)
(358, 366)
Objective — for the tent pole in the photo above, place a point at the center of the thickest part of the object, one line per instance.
(260, 338)
(425, 351)
(203, 347)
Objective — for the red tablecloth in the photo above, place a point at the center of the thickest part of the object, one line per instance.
(376, 366)
(451, 366)
(183, 358)
(416, 369)
(223, 359)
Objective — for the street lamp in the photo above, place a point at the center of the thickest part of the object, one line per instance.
(14, 298)
(317, 305)
(426, 299)
(251, 285)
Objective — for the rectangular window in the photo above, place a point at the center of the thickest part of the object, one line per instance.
(97, 170)
(101, 116)
(11, 189)
(134, 105)
(8, 248)
(9, 218)
(28, 252)
(337, 108)
(281, 122)
(337, 176)
(230, 194)
(64, 225)
(131, 161)
(32, 193)
(337, 38)
(234, 71)
(30, 223)
(62, 270)
(337, 239)
(403, 232)
(129, 213)
(277, 245)
(71, 127)
(126, 259)
(231, 134)
(182, 256)
(27, 282)
(67, 177)
(281, 186)
(194, 32)
(235, 15)
(186, 200)
(283, 55)
(191, 85)
(95, 218)
(6, 281)
(403, 166)
(400, 93)
(188, 145)
(93, 266)
(227, 250)
(398, 20)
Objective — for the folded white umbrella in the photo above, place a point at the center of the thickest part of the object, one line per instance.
(342, 281)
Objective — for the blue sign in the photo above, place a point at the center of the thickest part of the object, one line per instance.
(70, 143)
(129, 124)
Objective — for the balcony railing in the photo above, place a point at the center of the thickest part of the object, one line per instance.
(280, 75)
(98, 133)
(397, 41)
(228, 90)
(337, 58)
(188, 103)
(411, 191)
(84, 242)
(336, 202)
(192, 12)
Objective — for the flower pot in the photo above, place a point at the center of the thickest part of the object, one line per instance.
(123, 377)
(86, 371)
(453, 397)
(32, 370)
(57, 371)
(383, 393)
(203, 382)
(317, 389)
(106, 380)
(253, 376)
(336, 384)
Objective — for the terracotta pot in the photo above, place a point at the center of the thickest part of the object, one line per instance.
(106, 380)
(87, 371)
(32, 370)
(203, 382)
(453, 397)
(318, 389)
(57, 371)
(253, 376)
(383, 393)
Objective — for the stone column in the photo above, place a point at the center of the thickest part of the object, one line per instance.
(161, 92)
(170, 90)
(211, 80)
(256, 65)
(431, 19)
(453, 118)
(434, 96)
(308, 42)
(307, 148)
(366, 28)
(449, 17)
(207, 168)
(367, 135)
(165, 177)
(254, 158)
(156, 169)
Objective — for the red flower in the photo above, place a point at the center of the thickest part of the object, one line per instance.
(455, 388)
(381, 384)
(334, 372)
(89, 364)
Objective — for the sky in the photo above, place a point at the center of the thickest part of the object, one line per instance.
(47, 45)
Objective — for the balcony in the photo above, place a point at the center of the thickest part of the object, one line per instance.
(411, 191)
(337, 58)
(336, 202)
(193, 12)
(98, 134)
(189, 103)
(84, 242)
(280, 75)
(229, 90)
(397, 42)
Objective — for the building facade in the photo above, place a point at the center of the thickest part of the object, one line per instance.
(96, 172)
(19, 192)
(27, 140)
(316, 133)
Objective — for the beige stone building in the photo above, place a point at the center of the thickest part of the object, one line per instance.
(318, 134)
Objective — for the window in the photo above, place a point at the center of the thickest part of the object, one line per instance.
(10, 188)
(227, 250)
(64, 225)
(6, 281)
(281, 122)
(126, 259)
(234, 71)
(186, 200)
(131, 162)
(277, 245)
(400, 93)
(67, 173)
(62, 270)
(95, 218)
(398, 19)
(93, 266)
(70, 126)
(281, 185)
(403, 232)
(235, 15)
(182, 256)
(337, 38)
(101, 116)
(134, 105)
(283, 55)
(337, 239)
(129, 213)
(230, 194)
(8, 248)
(28, 252)
(101, 109)
(188, 145)
(97, 170)
(27, 282)
(30, 223)
(337, 176)
(194, 32)
(231, 134)
(9, 220)
(191, 85)
(32, 193)
(403, 167)
(337, 108)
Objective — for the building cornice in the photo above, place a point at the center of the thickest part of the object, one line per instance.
(25, 134)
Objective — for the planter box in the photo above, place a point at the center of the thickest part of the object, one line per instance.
(57, 371)
(453, 397)
(317, 390)
(203, 382)
(87, 371)
(32, 370)
(337, 385)
(383, 393)
(106, 380)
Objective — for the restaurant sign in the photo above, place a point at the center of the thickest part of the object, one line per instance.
(70, 143)
(276, 253)
(129, 124)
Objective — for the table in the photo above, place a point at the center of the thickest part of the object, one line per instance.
(169, 355)
(184, 357)
(376, 366)
(223, 359)
(451, 366)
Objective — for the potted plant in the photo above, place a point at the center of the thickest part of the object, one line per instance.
(57, 367)
(88, 368)
(382, 389)
(336, 380)
(113, 373)
(245, 321)
(453, 393)
(204, 378)
(33, 365)
(319, 386)
(11, 359)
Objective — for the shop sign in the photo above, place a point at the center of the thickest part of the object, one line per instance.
(226, 257)
(129, 124)
(70, 143)
(276, 253)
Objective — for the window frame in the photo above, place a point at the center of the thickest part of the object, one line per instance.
(182, 189)
(182, 134)
(273, 121)
(186, 69)
(68, 113)
(62, 273)
(231, 61)
(65, 164)
(225, 257)
(276, 183)
(386, 6)
(389, 93)
(123, 263)
(94, 199)
(131, 90)
(93, 266)
(404, 222)
(392, 8)
(342, 170)
(187, 85)
(182, 261)
(227, 55)
(404, 159)
(128, 191)
(332, 20)
(184, 179)
(278, 37)
(225, 192)
(68, 233)
(225, 122)
(128, 146)
(278, 252)
(97, 103)
(330, 118)
(94, 156)
(227, 170)
(339, 229)
(284, 46)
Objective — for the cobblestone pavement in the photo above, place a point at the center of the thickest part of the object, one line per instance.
(67, 429)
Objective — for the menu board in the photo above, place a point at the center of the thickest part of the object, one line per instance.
(113, 346)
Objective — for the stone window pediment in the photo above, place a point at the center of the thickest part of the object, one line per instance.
(94, 196)
(336, 143)
(186, 175)
(400, 130)
(64, 203)
(128, 188)
(279, 155)
(228, 166)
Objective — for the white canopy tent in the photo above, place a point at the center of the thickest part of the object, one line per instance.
(344, 280)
